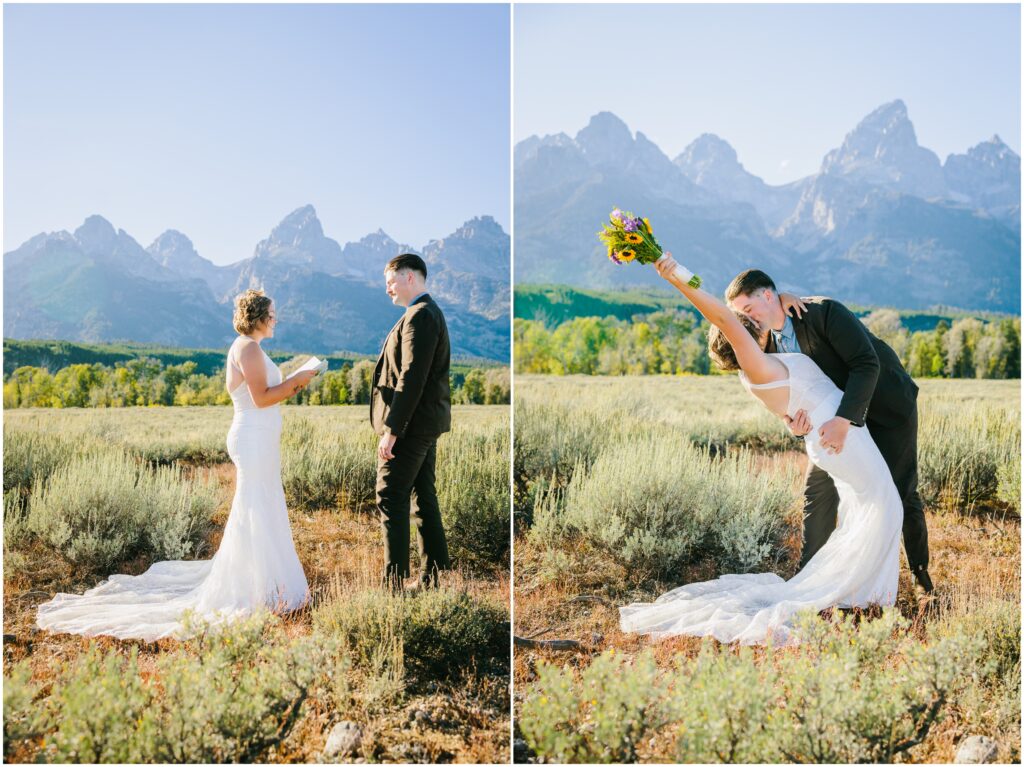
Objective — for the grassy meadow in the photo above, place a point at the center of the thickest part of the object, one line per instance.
(92, 492)
(626, 487)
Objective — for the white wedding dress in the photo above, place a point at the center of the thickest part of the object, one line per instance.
(857, 566)
(255, 566)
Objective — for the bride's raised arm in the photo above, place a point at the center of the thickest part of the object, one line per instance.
(749, 354)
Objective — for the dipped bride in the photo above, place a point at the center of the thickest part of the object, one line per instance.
(857, 566)
(256, 565)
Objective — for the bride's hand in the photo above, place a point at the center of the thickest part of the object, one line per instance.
(666, 265)
(301, 380)
(799, 426)
(792, 305)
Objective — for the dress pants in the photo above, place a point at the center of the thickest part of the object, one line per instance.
(405, 486)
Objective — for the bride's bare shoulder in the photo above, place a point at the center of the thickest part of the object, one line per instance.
(244, 344)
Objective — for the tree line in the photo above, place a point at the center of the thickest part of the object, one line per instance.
(673, 341)
(149, 382)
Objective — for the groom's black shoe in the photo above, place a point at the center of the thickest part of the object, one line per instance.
(427, 581)
(420, 586)
(925, 588)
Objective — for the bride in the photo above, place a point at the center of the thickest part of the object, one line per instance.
(256, 564)
(857, 566)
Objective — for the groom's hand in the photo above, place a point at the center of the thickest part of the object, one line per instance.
(384, 447)
(799, 426)
(833, 434)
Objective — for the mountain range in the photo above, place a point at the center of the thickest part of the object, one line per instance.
(98, 284)
(882, 222)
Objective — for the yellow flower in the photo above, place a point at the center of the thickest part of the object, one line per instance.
(634, 238)
(627, 255)
(648, 225)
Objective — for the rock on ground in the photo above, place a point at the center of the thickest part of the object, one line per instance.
(977, 749)
(344, 739)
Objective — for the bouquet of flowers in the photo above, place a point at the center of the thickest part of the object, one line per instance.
(631, 238)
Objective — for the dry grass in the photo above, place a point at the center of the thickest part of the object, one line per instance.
(464, 720)
(975, 560)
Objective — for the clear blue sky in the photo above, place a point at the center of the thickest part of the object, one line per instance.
(219, 120)
(782, 83)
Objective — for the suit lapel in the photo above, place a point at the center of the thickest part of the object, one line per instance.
(391, 333)
(422, 299)
(803, 335)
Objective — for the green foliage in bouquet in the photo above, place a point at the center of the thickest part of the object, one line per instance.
(630, 238)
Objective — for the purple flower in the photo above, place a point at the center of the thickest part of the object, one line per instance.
(617, 215)
(631, 224)
(614, 257)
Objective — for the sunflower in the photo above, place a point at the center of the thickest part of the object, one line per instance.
(648, 225)
(634, 238)
(627, 255)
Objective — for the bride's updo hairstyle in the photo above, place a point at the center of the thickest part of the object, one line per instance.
(252, 308)
(719, 348)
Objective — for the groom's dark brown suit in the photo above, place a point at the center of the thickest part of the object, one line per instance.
(877, 392)
(411, 397)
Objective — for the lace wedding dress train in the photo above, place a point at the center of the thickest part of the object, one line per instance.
(858, 566)
(255, 565)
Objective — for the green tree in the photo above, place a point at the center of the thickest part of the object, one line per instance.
(360, 382)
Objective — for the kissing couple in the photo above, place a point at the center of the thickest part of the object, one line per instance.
(844, 392)
(256, 565)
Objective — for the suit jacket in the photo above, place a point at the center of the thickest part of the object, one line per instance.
(876, 387)
(411, 392)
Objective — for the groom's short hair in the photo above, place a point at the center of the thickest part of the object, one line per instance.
(749, 282)
(407, 261)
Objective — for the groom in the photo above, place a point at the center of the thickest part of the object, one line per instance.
(877, 393)
(410, 407)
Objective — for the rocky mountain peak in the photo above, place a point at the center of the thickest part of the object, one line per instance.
(708, 148)
(994, 152)
(301, 225)
(172, 239)
(175, 251)
(884, 135)
(883, 150)
(300, 230)
(96, 234)
(478, 226)
(605, 139)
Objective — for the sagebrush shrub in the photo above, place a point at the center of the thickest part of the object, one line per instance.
(1009, 482)
(22, 719)
(964, 450)
(472, 490)
(655, 506)
(323, 464)
(440, 632)
(996, 624)
(32, 456)
(598, 716)
(228, 696)
(99, 510)
(847, 693)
